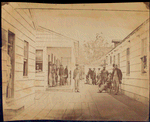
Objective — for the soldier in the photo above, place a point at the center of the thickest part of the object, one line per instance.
(76, 77)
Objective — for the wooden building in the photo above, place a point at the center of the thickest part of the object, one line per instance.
(18, 57)
(131, 56)
(55, 49)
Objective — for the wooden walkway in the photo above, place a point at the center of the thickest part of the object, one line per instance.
(86, 105)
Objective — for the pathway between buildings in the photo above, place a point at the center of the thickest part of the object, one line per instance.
(86, 105)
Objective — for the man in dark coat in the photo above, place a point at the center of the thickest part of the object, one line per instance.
(66, 75)
(117, 77)
(61, 73)
(94, 77)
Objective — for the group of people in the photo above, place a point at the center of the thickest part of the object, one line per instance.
(106, 78)
(103, 76)
(58, 76)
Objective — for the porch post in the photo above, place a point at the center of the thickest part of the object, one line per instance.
(72, 66)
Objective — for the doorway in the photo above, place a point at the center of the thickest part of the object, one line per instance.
(11, 53)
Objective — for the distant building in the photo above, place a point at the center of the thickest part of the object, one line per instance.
(131, 56)
(53, 48)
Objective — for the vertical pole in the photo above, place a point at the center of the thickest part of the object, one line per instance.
(72, 65)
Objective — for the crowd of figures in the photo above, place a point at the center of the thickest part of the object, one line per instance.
(59, 76)
(104, 79)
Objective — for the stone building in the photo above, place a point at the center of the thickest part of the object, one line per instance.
(131, 56)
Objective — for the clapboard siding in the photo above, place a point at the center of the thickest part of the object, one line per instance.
(16, 19)
(20, 34)
(135, 84)
(21, 25)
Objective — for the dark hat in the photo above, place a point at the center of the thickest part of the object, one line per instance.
(77, 64)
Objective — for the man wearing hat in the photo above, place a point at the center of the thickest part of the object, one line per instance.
(76, 77)
(104, 74)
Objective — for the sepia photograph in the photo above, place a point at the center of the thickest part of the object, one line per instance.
(75, 62)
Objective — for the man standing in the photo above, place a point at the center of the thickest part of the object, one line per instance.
(104, 74)
(76, 77)
(56, 76)
(98, 75)
(53, 75)
(66, 75)
(94, 77)
(61, 72)
(117, 77)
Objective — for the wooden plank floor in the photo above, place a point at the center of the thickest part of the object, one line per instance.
(85, 105)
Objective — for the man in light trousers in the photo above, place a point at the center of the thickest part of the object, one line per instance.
(76, 77)
(117, 77)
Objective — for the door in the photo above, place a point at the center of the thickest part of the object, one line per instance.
(11, 53)
(48, 69)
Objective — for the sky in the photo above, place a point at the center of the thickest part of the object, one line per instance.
(82, 23)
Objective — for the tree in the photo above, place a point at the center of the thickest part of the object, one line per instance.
(95, 49)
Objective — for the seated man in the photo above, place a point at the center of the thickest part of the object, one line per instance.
(104, 75)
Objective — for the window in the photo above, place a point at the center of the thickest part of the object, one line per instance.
(110, 59)
(128, 61)
(118, 60)
(144, 56)
(25, 62)
(39, 60)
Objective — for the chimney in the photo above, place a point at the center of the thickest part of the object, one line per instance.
(116, 42)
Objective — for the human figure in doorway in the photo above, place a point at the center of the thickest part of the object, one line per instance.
(9, 75)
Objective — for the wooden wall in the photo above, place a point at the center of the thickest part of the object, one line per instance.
(18, 22)
(136, 84)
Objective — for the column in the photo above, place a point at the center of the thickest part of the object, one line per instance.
(72, 66)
